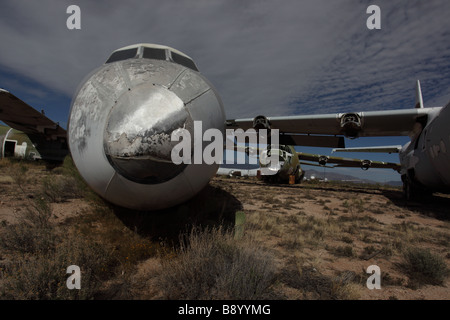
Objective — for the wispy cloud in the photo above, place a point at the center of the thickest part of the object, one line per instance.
(263, 56)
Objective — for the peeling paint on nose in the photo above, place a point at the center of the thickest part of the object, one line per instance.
(137, 138)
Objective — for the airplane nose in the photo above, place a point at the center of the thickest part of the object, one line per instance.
(137, 137)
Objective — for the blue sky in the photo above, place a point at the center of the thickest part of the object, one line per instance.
(266, 57)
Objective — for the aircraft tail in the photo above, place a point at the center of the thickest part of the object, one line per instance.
(419, 100)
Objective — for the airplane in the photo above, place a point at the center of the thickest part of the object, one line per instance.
(14, 143)
(29, 133)
(424, 161)
(289, 169)
(123, 114)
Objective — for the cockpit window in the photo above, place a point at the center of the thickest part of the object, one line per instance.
(154, 53)
(122, 55)
(188, 63)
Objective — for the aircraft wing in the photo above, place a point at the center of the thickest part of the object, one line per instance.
(352, 125)
(20, 116)
(382, 149)
(315, 164)
(49, 139)
(323, 161)
(346, 162)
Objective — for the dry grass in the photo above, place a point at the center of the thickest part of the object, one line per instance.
(311, 284)
(36, 250)
(328, 232)
(40, 253)
(214, 265)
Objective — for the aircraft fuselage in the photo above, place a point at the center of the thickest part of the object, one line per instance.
(289, 165)
(425, 160)
(16, 144)
(121, 122)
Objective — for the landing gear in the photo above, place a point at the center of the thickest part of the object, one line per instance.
(408, 190)
(413, 191)
(300, 178)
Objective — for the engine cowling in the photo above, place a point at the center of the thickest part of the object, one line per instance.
(351, 125)
(323, 160)
(366, 164)
(261, 122)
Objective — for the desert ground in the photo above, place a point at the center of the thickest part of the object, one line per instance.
(239, 238)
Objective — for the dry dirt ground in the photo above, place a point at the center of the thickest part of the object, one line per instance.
(319, 231)
(355, 227)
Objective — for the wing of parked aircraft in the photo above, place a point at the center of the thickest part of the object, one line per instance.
(19, 115)
(326, 161)
(381, 149)
(326, 130)
(352, 125)
(47, 136)
(346, 162)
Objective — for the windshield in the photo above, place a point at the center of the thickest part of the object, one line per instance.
(184, 61)
(154, 53)
(122, 55)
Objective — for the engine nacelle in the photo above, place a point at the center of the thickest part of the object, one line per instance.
(261, 122)
(323, 160)
(351, 125)
(366, 164)
(121, 122)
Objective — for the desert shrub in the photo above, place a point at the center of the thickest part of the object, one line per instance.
(59, 188)
(43, 276)
(42, 253)
(342, 251)
(68, 183)
(4, 162)
(315, 285)
(18, 171)
(32, 232)
(214, 265)
(424, 267)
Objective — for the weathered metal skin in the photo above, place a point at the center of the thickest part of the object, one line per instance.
(137, 138)
(120, 125)
(23, 147)
(426, 160)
